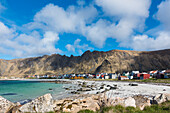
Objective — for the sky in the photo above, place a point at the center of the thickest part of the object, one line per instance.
(30, 28)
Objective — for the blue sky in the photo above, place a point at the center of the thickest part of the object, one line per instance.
(30, 28)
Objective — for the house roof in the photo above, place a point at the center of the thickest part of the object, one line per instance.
(167, 71)
(153, 72)
(123, 76)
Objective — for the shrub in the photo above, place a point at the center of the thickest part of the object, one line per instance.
(86, 111)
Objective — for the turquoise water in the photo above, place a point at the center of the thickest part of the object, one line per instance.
(17, 91)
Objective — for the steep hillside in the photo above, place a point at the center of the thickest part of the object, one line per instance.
(90, 62)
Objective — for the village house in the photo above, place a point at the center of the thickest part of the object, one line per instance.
(102, 76)
(160, 75)
(132, 74)
(37, 76)
(90, 76)
(113, 76)
(153, 74)
(126, 74)
(97, 76)
(167, 73)
(123, 78)
(106, 76)
(141, 76)
(78, 76)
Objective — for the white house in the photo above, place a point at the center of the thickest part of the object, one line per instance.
(132, 74)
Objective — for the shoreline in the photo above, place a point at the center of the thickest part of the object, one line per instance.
(54, 80)
(89, 94)
(124, 87)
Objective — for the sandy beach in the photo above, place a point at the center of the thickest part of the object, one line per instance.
(85, 94)
(123, 88)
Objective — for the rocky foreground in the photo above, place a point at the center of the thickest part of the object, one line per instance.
(93, 95)
(46, 103)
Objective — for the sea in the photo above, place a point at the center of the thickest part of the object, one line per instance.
(24, 91)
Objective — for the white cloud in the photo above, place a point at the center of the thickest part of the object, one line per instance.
(98, 32)
(5, 32)
(70, 48)
(50, 38)
(163, 14)
(78, 47)
(130, 14)
(24, 45)
(72, 20)
(160, 35)
(126, 17)
(80, 52)
(55, 18)
(2, 8)
(143, 42)
(81, 2)
(124, 8)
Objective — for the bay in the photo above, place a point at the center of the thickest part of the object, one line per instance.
(18, 91)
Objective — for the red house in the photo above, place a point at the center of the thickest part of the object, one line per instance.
(142, 76)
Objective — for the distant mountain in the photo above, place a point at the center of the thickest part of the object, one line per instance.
(89, 62)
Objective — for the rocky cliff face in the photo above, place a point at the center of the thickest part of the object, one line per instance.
(90, 62)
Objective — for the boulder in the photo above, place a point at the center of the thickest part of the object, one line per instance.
(75, 92)
(95, 97)
(5, 105)
(84, 83)
(98, 92)
(41, 104)
(123, 101)
(141, 101)
(81, 89)
(101, 87)
(113, 88)
(91, 104)
(108, 85)
(58, 102)
(50, 89)
(133, 84)
(85, 89)
(14, 108)
(167, 96)
(79, 104)
(115, 85)
(158, 99)
(118, 101)
(130, 102)
(67, 88)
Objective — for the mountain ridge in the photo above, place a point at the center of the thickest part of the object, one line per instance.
(89, 62)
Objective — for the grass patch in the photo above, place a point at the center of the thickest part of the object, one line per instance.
(151, 80)
(86, 111)
(162, 108)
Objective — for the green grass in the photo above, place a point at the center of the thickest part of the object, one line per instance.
(86, 111)
(162, 108)
(157, 80)
(151, 80)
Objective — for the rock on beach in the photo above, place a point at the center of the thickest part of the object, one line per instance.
(5, 104)
(41, 104)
